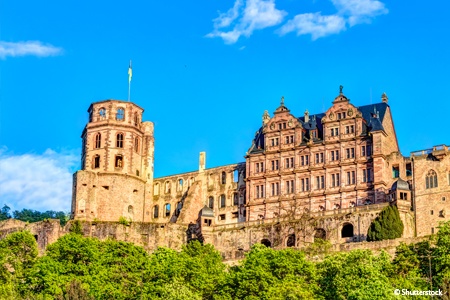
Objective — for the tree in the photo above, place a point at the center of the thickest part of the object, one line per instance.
(4, 213)
(386, 226)
(29, 215)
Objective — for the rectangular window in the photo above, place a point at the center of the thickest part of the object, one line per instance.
(275, 165)
(305, 184)
(395, 171)
(259, 191)
(351, 177)
(350, 153)
(274, 142)
(335, 180)
(334, 155)
(320, 182)
(275, 188)
(349, 129)
(289, 139)
(408, 169)
(289, 162)
(259, 167)
(319, 158)
(335, 131)
(304, 160)
(221, 217)
(363, 151)
(289, 186)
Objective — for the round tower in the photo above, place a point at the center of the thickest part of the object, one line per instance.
(116, 162)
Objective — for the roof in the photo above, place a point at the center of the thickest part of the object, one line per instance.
(206, 212)
(400, 185)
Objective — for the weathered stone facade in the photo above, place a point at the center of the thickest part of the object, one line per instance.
(324, 176)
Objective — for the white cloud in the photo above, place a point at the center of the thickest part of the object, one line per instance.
(37, 181)
(314, 24)
(34, 48)
(257, 14)
(360, 11)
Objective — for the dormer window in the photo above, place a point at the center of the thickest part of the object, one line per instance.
(341, 115)
(120, 115)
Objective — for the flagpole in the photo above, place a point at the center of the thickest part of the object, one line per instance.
(130, 74)
(129, 84)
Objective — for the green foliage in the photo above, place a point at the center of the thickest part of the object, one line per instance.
(76, 227)
(29, 215)
(124, 221)
(319, 247)
(4, 213)
(386, 226)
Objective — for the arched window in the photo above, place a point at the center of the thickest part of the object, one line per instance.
(120, 115)
(98, 141)
(118, 161)
(102, 113)
(222, 201)
(96, 161)
(136, 144)
(130, 209)
(266, 243)
(211, 202)
(224, 177)
(290, 242)
(155, 211)
(167, 187)
(347, 230)
(180, 184)
(136, 119)
(156, 189)
(119, 140)
(167, 210)
(431, 180)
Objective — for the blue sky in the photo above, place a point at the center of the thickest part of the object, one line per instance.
(205, 71)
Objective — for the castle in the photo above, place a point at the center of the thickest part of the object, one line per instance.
(324, 175)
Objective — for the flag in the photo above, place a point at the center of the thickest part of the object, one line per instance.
(130, 73)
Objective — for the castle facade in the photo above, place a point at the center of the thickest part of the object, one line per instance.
(324, 175)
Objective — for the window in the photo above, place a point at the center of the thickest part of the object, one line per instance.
(341, 115)
(211, 202)
(156, 189)
(334, 131)
(130, 209)
(408, 169)
(275, 188)
(119, 140)
(259, 191)
(167, 187)
(235, 199)
(304, 160)
(319, 158)
(222, 201)
(351, 177)
(367, 175)
(290, 242)
(180, 184)
(118, 161)
(167, 210)
(274, 142)
(275, 165)
(350, 153)
(349, 129)
(347, 230)
(289, 186)
(289, 162)
(136, 119)
(224, 178)
(335, 180)
(221, 217)
(136, 144)
(289, 139)
(305, 184)
(155, 211)
(120, 115)
(96, 161)
(395, 171)
(431, 180)
(314, 134)
(403, 196)
(259, 167)
(235, 176)
(98, 141)
(334, 155)
(320, 182)
(102, 113)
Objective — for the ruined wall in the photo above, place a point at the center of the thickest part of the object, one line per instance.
(432, 204)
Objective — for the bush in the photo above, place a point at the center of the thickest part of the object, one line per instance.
(386, 226)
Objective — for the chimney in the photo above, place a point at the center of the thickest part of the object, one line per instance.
(202, 162)
(306, 116)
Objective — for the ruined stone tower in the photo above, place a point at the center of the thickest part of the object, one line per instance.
(116, 176)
